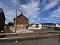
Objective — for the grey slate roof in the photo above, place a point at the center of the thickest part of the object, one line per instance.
(20, 16)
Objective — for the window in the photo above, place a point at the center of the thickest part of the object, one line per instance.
(51, 25)
(21, 25)
(18, 25)
(37, 25)
(44, 26)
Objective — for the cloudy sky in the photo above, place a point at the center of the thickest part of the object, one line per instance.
(38, 11)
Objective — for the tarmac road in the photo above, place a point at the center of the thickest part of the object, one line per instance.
(46, 41)
(42, 41)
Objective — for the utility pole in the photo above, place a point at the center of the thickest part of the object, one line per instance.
(16, 16)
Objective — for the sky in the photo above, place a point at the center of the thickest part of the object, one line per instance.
(37, 11)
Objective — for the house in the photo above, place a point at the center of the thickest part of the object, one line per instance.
(48, 25)
(22, 22)
(42, 26)
(35, 26)
(57, 24)
(2, 19)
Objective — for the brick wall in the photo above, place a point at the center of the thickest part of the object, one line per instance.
(22, 20)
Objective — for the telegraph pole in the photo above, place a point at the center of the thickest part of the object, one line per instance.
(16, 16)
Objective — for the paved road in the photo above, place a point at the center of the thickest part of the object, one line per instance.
(41, 41)
(29, 36)
(47, 41)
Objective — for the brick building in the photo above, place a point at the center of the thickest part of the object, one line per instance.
(21, 21)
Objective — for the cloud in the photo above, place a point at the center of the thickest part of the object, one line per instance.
(31, 10)
(51, 4)
(54, 17)
(9, 13)
(14, 1)
(56, 13)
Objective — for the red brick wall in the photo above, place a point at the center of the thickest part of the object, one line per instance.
(21, 20)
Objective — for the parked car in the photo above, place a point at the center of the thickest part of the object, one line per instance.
(56, 28)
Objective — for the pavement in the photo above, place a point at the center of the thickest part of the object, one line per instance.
(20, 30)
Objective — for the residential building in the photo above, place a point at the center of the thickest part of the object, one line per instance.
(57, 24)
(42, 25)
(35, 26)
(48, 25)
(21, 21)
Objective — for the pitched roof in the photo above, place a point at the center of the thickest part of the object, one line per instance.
(58, 23)
(48, 23)
(20, 16)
